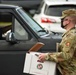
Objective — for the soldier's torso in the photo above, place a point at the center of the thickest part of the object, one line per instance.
(68, 42)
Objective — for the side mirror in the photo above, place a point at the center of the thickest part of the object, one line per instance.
(11, 38)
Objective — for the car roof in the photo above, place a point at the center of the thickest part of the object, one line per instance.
(8, 6)
(60, 2)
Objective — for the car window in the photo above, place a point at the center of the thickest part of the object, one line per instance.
(8, 23)
(31, 23)
(5, 24)
(20, 32)
(56, 10)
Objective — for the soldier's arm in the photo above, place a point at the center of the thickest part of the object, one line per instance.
(66, 53)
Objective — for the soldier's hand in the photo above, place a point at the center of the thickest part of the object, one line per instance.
(41, 57)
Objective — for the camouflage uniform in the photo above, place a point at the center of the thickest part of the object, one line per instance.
(66, 55)
(68, 13)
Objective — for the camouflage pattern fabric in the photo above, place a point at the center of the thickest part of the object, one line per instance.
(68, 12)
(66, 55)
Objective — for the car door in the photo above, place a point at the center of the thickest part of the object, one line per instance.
(10, 23)
(12, 56)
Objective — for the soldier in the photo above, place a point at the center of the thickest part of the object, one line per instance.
(66, 55)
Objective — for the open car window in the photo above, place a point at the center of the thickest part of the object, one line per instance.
(5, 23)
(8, 23)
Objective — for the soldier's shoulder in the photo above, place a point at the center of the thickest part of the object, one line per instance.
(71, 33)
(72, 30)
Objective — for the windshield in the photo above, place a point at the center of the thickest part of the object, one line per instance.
(34, 25)
(56, 10)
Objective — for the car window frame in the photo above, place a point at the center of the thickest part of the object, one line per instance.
(15, 16)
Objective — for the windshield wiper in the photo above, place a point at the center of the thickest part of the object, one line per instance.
(44, 31)
(41, 31)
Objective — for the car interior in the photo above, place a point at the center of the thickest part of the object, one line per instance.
(5, 24)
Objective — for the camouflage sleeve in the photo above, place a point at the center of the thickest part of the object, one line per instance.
(66, 52)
